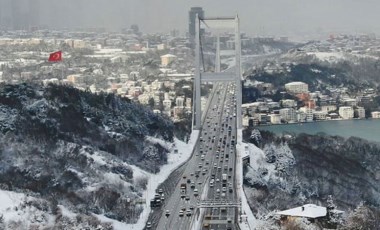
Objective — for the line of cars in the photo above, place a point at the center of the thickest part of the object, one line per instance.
(221, 181)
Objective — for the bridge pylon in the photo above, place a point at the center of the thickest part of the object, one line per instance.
(229, 75)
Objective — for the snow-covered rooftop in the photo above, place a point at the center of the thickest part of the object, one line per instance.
(307, 210)
(169, 55)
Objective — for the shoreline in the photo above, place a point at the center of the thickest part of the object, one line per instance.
(317, 121)
(367, 129)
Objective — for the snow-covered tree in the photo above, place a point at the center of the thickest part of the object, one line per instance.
(363, 218)
(255, 137)
(333, 217)
(285, 158)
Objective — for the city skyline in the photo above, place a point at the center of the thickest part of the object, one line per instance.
(293, 18)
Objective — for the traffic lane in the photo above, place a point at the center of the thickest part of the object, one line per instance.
(177, 195)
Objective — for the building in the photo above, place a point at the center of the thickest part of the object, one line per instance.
(375, 114)
(288, 114)
(76, 78)
(297, 87)
(328, 108)
(346, 112)
(188, 103)
(311, 212)
(192, 16)
(288, 103)
(309, 113)
(307, 211)
(275, 118)
(360, 112)
(167, 103)
(167, 59)
(320, 115)
(180, 101)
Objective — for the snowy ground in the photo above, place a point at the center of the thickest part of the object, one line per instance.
(334, 57)
(174, 161)
(17, 212)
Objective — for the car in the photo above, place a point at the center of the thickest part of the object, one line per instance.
(217, 190)
(148, 225)
(180, 213)
(188, 213)
(167, 213)
(191, 207)
(217, 180)
(224, 189)
(187, 198)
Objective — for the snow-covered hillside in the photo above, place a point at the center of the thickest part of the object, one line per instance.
(71, 159)
(291, 171)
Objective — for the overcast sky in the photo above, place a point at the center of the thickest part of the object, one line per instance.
(263, 17)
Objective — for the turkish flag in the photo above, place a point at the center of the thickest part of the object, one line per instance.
(56, 56)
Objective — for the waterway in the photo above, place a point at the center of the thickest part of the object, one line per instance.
(367, 129)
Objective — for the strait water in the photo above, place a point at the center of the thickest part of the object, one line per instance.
(367, 129)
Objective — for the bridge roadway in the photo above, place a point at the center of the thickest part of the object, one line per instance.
(213, 156)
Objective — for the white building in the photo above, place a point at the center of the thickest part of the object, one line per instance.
(375, 114)
(346, 112)
(297, 87)
(275, 118)
(309, 113)
(179, 101)
(288, 114)
(167, 59)
(143, 99)
(167, 103)
(245, 121)
(320, 115)
(188, 103)
(288, 103)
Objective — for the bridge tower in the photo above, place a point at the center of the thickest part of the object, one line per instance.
(229, 75)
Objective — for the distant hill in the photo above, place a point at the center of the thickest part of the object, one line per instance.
(77, 149)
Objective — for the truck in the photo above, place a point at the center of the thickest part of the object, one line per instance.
(224, 177)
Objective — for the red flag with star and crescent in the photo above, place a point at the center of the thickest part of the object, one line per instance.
(55, 57)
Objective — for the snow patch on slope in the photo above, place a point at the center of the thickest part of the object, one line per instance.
(154, 180)
(18, 211)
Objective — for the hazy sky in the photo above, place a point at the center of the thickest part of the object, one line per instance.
(264, 17)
